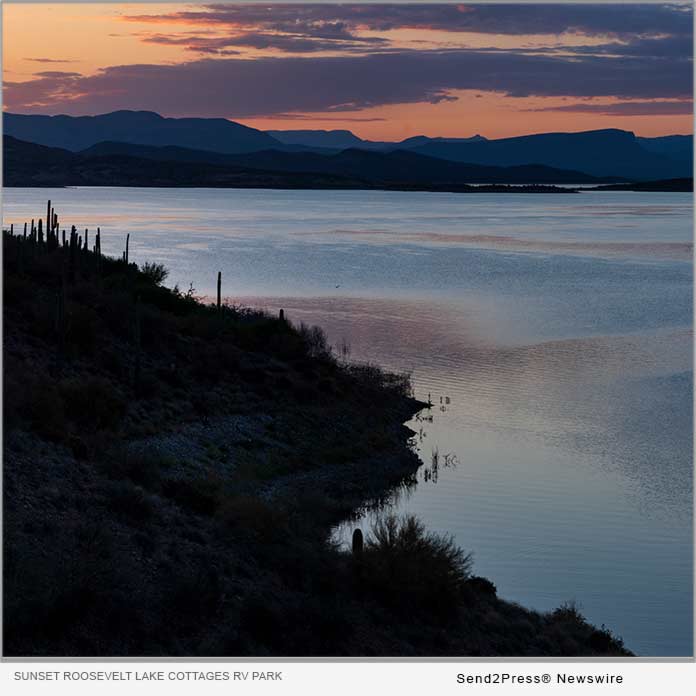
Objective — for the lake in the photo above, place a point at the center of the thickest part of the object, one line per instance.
(553, 333)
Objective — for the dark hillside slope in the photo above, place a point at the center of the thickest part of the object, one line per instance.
(172, 471)
(400, 166)
(28, 164)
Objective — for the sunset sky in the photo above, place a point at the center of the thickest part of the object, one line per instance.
(383, 71)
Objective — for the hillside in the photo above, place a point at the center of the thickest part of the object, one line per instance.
(28, 164)
(172, 471)
(124, 164)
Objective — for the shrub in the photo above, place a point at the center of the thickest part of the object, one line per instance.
(481, 586)
(374, 378)
(249, 516)
(604, 642)
(409, 569)
(568, 611)
(143, 467)
(156, 272)
(93, 402)
(315, 341)
(38, 403)
(200, 496)
(129, 501)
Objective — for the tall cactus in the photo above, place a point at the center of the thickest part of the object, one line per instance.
(219, 291)
(137, 335)
(73, 254)
(61, 302)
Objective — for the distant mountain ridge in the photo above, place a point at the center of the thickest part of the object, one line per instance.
(676, 146)
(29, 164)
(599, 153)
(142, 127)
(332, 139)
(393, 166)
(608, 152)
(128, 164)
(344, 139)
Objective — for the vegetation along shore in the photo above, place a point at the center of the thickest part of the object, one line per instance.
(173, 471)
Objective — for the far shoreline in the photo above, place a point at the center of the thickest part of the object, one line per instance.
(684, 185)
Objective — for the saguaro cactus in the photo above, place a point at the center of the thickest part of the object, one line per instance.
(357, 543)
(61, 301)
(73, 254)
(219, 291)
(125, 258)
(137, 339)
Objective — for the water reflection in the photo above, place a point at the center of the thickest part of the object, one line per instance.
(551, 334)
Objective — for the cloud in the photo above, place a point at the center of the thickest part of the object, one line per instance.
(634, 108)
(51, 60)
(342, 119)
(615, 20)
(288, 43)
(44, 93)
(57, 74)
(680, 46)
(241, 87)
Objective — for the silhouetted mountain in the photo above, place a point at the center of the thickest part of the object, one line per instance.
(142, 127)
(125, 164)
(28, 164)
(398, 166)
(332, 139)
(420, 140)
(600, 153)
(679, 147)
(344, 139)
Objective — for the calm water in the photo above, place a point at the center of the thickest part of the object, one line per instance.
(556, 330)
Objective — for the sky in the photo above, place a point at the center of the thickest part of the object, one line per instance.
(385, 72)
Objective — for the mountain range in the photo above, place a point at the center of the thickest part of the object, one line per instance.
(127, 164)
(142, 127)
(583, 157)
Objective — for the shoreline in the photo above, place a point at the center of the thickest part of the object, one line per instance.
(464, 188)
(173, 469)
(683, 185)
